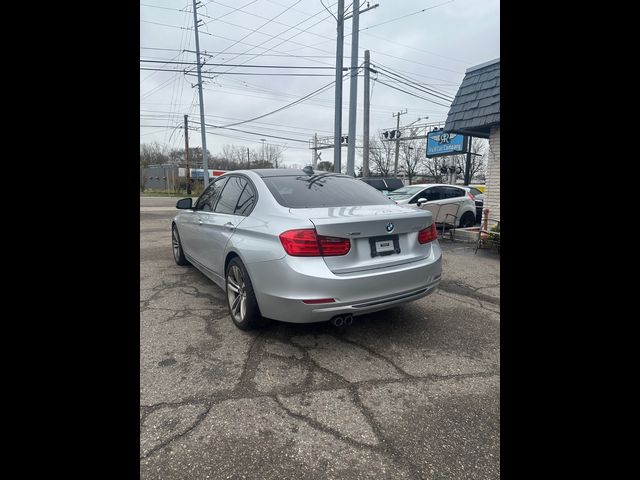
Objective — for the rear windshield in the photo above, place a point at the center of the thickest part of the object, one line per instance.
(323, 190)
(394, 183)
(405, 192)
(376, 183)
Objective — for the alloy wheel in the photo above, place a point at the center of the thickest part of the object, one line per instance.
(176, 244)
(236, 293)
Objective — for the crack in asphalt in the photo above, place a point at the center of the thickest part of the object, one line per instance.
(235, 394)
(246, 388)
(454, 287)
(373, 353)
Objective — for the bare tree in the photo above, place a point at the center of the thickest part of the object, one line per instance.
(412, 158)
(433, 166)
(381, 156)
(478, 161)
(153, 154)
(273, 153)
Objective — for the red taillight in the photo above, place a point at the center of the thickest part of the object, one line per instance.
(333, 246)
(470, 195)
(428, 234)
(306, 243)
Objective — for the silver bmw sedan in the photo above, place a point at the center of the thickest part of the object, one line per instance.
(306, 246)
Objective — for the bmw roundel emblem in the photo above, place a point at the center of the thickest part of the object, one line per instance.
(389, 227)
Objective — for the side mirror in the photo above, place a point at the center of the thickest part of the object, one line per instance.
(421, 201)
(184, 204)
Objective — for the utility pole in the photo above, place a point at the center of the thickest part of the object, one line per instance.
(337, 132)
(314, 161)
(353, 93)
(186, 153)
(205, 159)
(395, 168)
(248, 159)
(365, 135)
(262, 140)
(467, 170)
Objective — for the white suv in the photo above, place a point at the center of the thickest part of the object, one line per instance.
(441, 199)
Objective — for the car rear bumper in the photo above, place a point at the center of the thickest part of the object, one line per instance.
(282, 285)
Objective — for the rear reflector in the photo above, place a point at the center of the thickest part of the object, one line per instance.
(319, 300)
(307, 243)
(428, 234)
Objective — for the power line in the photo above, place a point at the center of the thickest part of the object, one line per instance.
(412, 80)
(261, 134)
(289, 39)
(412, 94)
(417, 86)
(419, 89)
(245, 43)
(302, 99)
(263, 25)
(237, 73)
(416, 49)
(237, 65)
(405, 16)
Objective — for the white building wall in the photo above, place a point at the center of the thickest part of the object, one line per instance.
(492, 194)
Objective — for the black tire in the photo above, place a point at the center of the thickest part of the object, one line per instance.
(467, 220)
(246, 313)
(176, 244)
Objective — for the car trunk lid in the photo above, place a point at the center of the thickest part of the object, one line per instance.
(381, 235)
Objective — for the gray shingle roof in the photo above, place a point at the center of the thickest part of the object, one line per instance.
(476, 106)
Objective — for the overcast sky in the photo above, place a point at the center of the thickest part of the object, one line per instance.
(434, 47)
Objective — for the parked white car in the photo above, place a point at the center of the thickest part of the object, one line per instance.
(446, 202)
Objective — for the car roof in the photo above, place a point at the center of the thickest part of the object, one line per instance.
(434, 185)
(288, 172)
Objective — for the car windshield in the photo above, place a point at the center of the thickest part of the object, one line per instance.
(323, 190)
(405, 192)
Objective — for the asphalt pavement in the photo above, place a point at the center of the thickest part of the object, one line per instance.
(412, 392)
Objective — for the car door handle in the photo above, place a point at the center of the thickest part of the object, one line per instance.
(199, 222)
(229, 226)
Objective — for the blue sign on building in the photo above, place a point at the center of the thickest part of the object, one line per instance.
(444, 143)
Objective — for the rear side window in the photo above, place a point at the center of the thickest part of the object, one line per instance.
(431, 194)
(246, 201)
(230, 195)
(453, 192)
(323, 190)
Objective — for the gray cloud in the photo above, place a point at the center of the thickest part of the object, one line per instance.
(435, 47)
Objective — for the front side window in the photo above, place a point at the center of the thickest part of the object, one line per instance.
(431, 194)
(207, 200)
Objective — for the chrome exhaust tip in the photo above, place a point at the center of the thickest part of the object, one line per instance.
(348, 320)
(337, 321)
